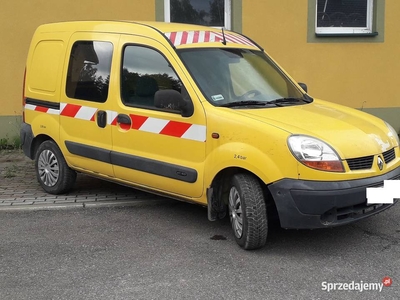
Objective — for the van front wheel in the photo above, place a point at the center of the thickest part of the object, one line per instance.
(247, 211)
(52, 171)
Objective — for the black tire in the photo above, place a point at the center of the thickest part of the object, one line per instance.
(247, 211)
(52, 171)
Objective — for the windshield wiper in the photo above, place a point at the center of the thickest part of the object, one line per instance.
(244, 103)
(277, 102)
(287, 100)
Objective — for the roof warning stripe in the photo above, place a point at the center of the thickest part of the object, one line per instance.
(205, 36)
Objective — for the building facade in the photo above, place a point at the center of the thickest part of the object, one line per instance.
(344, 50)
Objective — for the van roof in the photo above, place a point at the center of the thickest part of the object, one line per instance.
(178, 34)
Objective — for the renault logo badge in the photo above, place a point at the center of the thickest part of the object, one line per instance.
(380, 163)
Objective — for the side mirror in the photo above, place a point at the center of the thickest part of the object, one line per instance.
(172, 100)
(303, 86)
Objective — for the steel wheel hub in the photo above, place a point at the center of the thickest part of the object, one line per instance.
(235, 212)
(48, 168)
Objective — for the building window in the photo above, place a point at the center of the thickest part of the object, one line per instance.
(215, 13)
(89, 71)
(344, 17)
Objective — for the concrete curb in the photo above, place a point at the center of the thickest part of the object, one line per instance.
(56, 206)
(20, 191)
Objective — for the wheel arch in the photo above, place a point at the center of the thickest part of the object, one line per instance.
(218, 192)
(52, 171)
(37, 141)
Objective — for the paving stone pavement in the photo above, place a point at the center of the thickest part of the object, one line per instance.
(20, 190)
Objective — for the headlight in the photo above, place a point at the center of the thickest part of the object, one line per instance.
(314, 153)
(393, 134)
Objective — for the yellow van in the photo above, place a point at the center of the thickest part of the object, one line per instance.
(201, 115)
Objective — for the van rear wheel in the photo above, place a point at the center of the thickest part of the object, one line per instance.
(52, 171)
(247, 211)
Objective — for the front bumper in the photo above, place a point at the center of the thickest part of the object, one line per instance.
(318, 204)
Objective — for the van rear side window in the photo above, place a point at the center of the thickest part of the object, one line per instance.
(89, 71)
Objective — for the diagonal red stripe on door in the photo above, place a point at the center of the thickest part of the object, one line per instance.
(137, 121)
(174, 128)
(70, 110)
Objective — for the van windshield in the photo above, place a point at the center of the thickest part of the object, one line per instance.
(240, 77)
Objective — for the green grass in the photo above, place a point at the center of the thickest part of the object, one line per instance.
(10, 143)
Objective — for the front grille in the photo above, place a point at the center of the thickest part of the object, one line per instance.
(396, 178)
(350, 213)
(360, 163)
(358, 211)
(389, 155)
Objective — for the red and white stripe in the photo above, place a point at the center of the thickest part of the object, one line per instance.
(78, 111)
(50, 111)
(172, 128)
(237, 39)
(203, 36)
(67, 110)
(168, 127)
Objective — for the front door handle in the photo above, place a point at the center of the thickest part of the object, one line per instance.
(124, 119)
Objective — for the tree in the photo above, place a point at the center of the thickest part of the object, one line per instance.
(182, 11)
(217, 12)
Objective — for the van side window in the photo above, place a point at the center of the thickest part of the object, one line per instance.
(89, 68)
(144, 72)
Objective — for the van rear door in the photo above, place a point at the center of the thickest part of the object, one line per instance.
(85, 116)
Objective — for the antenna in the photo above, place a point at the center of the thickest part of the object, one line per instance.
(223, 36)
